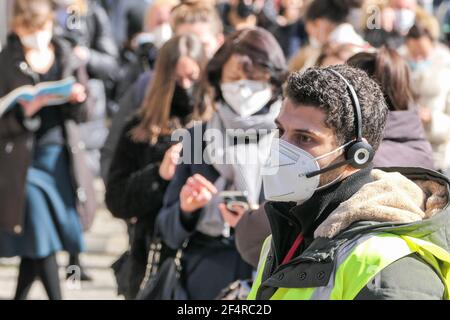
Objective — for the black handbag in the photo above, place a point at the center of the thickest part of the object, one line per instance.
(237, 291)
(163, 280)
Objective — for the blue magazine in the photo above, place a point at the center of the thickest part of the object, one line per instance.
(60, 91)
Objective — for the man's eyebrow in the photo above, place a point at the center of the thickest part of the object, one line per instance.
(307, 131)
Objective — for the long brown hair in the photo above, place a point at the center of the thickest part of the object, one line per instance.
(391, 72)
(155, 112)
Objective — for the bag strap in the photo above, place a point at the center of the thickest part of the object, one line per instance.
(154, 259)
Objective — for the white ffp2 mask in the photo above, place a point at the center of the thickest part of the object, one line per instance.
(246, 97)
(285, 176)
(404, 20)
(38, 40)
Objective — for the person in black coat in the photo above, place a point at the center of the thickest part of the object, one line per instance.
(145, 158)
(246, 74)
(39, 203)
(87, 26)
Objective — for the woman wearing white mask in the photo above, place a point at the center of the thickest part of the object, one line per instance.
(157, 21)
(38, 199)
(246, 75)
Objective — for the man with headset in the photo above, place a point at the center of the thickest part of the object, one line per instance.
(341, 229)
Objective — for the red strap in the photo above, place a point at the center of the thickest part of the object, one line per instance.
(294, 248)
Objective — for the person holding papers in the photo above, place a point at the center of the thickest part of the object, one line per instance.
(38, 193)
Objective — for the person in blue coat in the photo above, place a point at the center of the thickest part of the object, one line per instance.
(45, 217)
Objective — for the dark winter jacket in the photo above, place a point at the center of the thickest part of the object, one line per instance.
(128, 106)
(94, 32)
(291, 37)
(17, 132)
(326, 225)
(134, 188)
(404, 143)
(134, 192)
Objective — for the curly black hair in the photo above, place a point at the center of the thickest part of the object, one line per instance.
(322, 88)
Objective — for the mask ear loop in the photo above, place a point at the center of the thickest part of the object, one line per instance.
(342, 174)
(335, 150)
(330, 183)
(331, 167)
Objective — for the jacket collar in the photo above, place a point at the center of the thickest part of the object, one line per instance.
(288, 220)
(314, 266)
(63, 53)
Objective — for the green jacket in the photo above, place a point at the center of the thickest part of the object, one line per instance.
(413, 203)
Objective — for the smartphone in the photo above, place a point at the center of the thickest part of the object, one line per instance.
(235, 198)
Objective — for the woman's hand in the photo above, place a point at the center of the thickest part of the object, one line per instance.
(30, 108)
(78, 94)
(170, 161)
(82, 53)
(232, 218)
(196, 193)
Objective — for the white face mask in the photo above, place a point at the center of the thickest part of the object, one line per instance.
(285, 176)
(38, 40)
(162, 34)
(315, 43)
(246, 97)
(404, 20)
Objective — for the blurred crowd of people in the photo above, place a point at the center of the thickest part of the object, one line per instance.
(146, 68)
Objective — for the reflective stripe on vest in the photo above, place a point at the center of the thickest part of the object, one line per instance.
(357, 263)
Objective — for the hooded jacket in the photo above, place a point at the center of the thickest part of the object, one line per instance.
(404, 143)
(399, 201)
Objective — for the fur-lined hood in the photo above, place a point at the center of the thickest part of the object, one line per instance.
(399, 200)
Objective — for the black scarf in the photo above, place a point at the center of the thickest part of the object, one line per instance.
(289, 220)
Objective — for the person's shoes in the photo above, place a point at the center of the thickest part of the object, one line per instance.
(83, 275)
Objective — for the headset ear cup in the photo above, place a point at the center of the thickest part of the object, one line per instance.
(360, 154)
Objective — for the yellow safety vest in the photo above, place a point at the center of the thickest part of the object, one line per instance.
(358, 262)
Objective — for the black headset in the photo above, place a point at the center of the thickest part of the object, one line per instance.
(359, 154)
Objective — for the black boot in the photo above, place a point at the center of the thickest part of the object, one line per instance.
(74, 260)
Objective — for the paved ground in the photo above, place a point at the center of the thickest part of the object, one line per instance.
(105, 242)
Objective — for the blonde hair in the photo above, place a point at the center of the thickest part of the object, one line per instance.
(151, 15)
(190, 12)
(429, 22)
(80, 7)
(32, 15)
